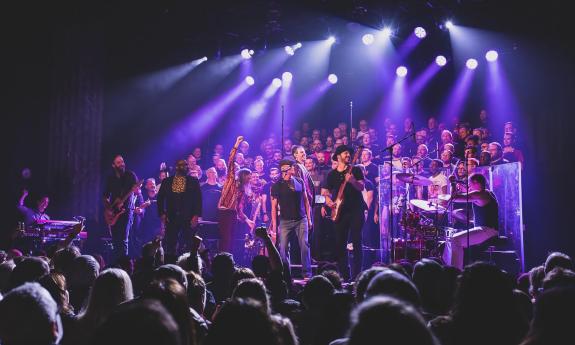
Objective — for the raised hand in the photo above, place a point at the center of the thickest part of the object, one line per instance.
(238, 141)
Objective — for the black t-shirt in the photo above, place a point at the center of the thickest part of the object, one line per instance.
(210, 197)
(352, 198)
(290, 198)
(117, 187)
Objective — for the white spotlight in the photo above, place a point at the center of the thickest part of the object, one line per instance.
(420, 32)
(205, 58)
(401, 71)
(289, 50)
(287, 77)
(298, 45)
(250, 80)
(449, 24)
(332, 78)
(491, 56)
(471, 63)
(277, 82)
(247, 53)
(440, 60)
(367, 39)
(331, 40)
(387, 32)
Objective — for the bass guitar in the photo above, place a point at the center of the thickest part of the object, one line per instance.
(336, 211)
(113, 210)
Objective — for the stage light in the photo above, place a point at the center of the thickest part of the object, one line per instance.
(491, 56)
(448, 24)
(420, 32)
(331, 40)
(298, 45)
(250, 80)
(247, 53)
(401, 71)
(387, 32)
(367, 39)
(332, 78)
(471, 64)
(440, 60)
(277, 82)
(289, 50)
(205, 58)
(287, 77)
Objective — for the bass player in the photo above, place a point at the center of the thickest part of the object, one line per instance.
(119, 204)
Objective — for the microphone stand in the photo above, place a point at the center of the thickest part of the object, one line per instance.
(467, 208)
(391, 230)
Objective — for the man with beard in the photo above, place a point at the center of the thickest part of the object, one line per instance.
(119, 202)
(299, 155)
(179, 207)
(352, 217)
(266, 200)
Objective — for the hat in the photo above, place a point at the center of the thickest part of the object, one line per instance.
(339, 150)
(286, 162)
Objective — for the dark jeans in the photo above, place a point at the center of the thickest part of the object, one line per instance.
(176, 227)
(349, 225)
(120, 232)
(227, 225)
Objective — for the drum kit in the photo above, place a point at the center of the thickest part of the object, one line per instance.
(424, 224)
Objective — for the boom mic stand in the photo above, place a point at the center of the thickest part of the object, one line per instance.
(391, 231)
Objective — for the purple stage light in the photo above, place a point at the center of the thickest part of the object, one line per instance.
(277, 82)
(471, 64)
(367, 39)
(420, 32)
(449, 25)
(491, 56)
(298, 45)
(250, 80)
(440, 60)
(332, 78)
(331, 40)
(401, 71)
(287, 77)
(247, 53)
(289, 50)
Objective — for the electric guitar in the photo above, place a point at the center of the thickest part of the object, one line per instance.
(336, 212)
(115, 209)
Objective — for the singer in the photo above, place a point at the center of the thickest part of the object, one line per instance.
(485, 219)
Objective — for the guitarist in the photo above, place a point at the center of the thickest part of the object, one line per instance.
(179, 207)
(120, 185)
(351, 210)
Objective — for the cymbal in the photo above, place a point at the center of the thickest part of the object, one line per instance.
(444, 197)
(207, 222)
(427, 206)
(416, 180)
(461, 215)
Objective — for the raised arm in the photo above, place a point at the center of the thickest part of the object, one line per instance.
(479, 198)
(232, 158)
